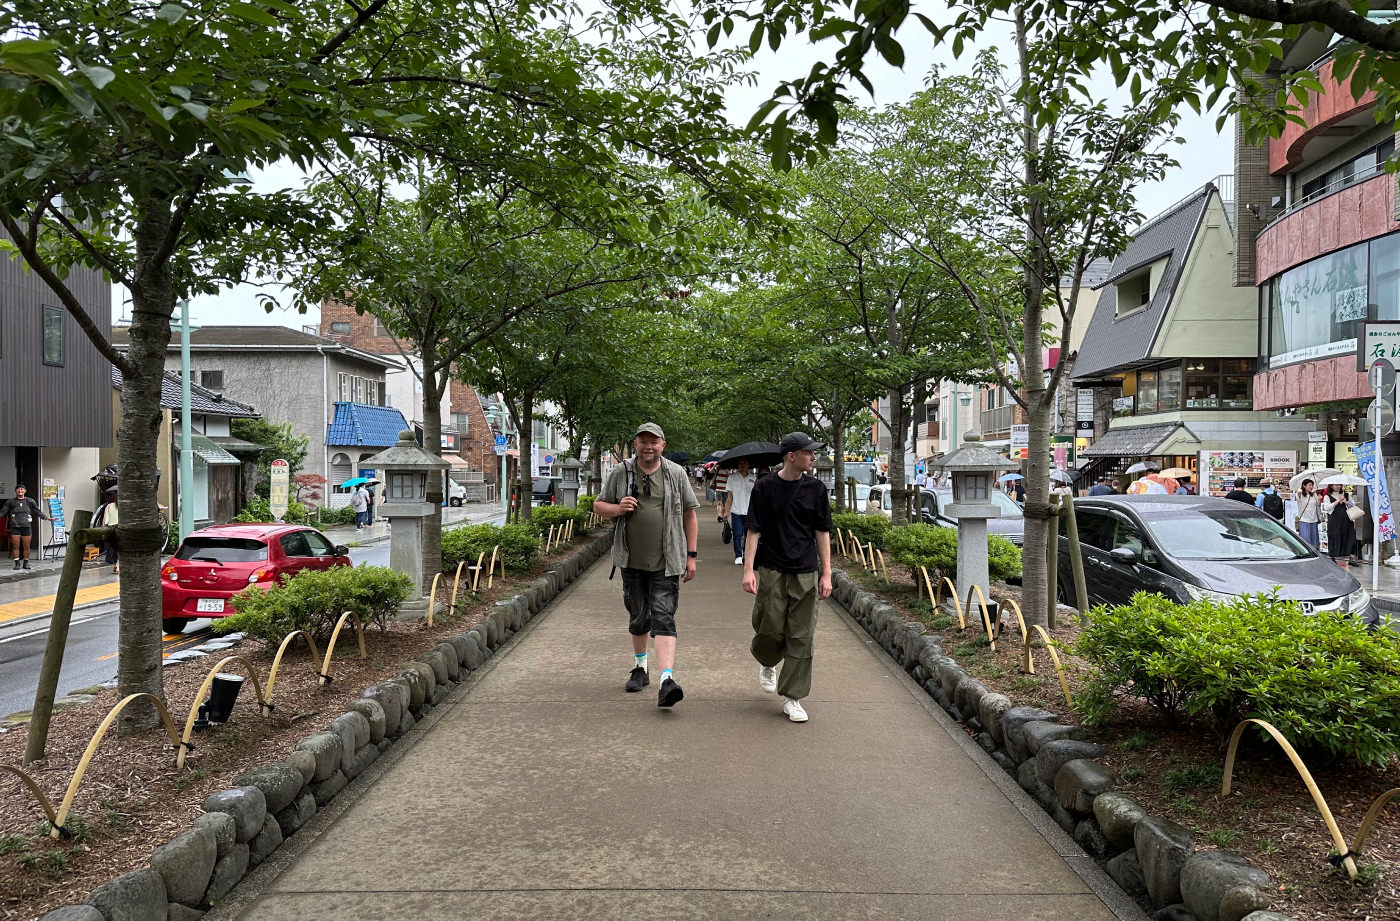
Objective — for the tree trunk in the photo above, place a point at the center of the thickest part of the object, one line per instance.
(525, 424)
(434, 382)
(899, 435)
(139, 535)
(838, 459)
(1037, 510)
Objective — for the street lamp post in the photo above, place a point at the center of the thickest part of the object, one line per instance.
(965, 398)
(499, 417)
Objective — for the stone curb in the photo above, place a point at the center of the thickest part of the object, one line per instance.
(202, 865)
(1151, 859)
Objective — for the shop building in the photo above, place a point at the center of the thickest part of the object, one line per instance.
(1170, 356)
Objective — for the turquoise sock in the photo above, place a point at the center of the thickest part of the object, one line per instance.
(666, 673)
(640, 661)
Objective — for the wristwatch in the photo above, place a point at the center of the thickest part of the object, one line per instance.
(692, 553)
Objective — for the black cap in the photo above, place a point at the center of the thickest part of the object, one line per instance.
(799, 441)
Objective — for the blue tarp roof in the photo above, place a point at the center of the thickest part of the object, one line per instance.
(362, 424)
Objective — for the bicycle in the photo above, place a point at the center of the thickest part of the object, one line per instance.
(164, 526)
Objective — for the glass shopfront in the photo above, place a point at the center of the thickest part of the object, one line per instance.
(1316, 309)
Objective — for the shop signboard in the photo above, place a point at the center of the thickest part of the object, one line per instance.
(1317, 453)
(1084, 413)
(279, 487)
(1379, 339)
(1020, 441)
(1221, 468)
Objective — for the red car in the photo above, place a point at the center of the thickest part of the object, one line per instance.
(214, 564)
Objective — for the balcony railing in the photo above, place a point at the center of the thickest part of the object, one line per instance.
(997, 421)
(928, 430)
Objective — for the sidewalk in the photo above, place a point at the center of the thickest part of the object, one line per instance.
(540, 790)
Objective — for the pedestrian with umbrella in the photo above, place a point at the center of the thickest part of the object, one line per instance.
(1342, 515)
(654, 545)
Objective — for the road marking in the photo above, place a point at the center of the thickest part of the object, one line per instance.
(15, 610)
(171, 642)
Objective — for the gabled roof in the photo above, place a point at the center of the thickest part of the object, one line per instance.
(260, 338)
(1114, 343)
(361, 424)
(202, 400)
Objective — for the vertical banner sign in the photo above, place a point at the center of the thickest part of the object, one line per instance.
(1020, 441)
(279, 487)
(1366, 466)
(534, 461)
(1084, 413)
(60, 526)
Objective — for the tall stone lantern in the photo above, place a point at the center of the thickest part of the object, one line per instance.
(973, 467)
(406, 469)
(569, 469)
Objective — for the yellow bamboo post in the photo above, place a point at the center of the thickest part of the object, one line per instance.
(502, 561)
(1371, 815)
(840, 543)
(953, 593)
(1318, 799)
(1028, 664)
(1059, 666)
(880, 555)
(335, 635)
(456, 581)
(77, 779)
(34, 789)
(986, 616)
(432, 598)
(476, 573)
(491, 573)
(928, 584)
(199, 699)
(277, 663)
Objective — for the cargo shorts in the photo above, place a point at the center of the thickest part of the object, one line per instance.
(651, 598)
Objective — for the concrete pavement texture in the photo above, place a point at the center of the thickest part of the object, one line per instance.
(541, 790)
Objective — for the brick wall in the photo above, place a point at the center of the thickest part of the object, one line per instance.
(365, 332)
(476, 446)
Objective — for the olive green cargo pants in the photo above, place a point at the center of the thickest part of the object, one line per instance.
(785, 627)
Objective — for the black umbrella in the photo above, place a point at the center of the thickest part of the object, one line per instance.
(713, 456)
(757, 453)
(679, 457)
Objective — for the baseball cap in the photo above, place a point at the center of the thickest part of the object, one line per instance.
(651, 428)
(799, 441)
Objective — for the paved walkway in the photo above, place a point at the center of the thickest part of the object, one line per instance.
(541, 790)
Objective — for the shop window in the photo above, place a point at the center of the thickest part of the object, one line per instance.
(340, 469)
(53, 336)
(1385, 277)
(1203, 383)
(1316, 310)
(1147, 392)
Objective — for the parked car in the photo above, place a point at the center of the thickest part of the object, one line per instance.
(214, 564)
(456, 493)
(1011, 523)
(1187, 547)
(542, 491)
(879, 500)
(862, 493)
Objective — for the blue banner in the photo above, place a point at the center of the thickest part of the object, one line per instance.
(1366, 466)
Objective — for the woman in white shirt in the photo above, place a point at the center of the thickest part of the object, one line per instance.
(1309, 513)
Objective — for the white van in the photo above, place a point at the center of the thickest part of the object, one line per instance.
(456, 493)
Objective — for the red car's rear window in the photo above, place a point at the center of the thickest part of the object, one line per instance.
(222, 549)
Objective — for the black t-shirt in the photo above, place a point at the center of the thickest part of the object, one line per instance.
(787, 514)
(1239, 495)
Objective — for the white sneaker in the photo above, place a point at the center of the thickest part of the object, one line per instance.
(768, 679)
(794, 711)
(738, 561)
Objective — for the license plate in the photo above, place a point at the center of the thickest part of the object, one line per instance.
(210, 605)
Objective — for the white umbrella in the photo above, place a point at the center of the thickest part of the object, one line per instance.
(1143, 467)
(1296, 481)
(1343, 479)
(1059, 476)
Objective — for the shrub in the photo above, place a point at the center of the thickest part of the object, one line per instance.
(867, 528)
(552, 516)
(519, 542)
(342, 515)
(314, 599)
(256, 511)
(927, 545)
(1322, 680)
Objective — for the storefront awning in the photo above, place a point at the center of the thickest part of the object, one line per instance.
(1142, 441)
(456, 461)
(210, 453)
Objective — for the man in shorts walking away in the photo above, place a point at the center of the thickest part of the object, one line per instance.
(22, 512)
(787, 565)
(654, 546)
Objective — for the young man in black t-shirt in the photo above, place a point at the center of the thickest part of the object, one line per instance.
(787, 565)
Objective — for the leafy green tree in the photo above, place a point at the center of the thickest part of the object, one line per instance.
(278, 442)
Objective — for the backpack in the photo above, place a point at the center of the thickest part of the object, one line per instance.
(1273, 505)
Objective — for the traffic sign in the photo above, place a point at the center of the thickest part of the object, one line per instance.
(501, 449)
(1381, 377)
(548, 460)
(500, 441)
(1380, 417)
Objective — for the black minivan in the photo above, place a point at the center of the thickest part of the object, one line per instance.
(1187, 547)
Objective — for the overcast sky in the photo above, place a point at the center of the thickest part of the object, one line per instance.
(1203, 156)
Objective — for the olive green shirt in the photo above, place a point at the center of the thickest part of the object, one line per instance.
(647, 526)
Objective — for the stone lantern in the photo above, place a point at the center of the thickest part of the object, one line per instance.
(974, 468)
(569, 470)
(826, 471)
(406, 469)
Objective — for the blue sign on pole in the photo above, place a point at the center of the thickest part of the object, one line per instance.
(500, 441)
(1366, 465)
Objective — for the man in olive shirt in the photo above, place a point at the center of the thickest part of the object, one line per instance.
(787, 564)
(654, 546)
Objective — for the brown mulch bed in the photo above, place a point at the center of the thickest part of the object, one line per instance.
(132, 798)
(1175, 772)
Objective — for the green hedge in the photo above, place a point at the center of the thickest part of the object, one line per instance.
(868, 528)
(259, 511)
(314, 599)
(918, 545)
(328, 516)
(586, 503)
(1325, 682)
(548, 516)
(520, 543)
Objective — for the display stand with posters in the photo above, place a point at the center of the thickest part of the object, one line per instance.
(1219, 469)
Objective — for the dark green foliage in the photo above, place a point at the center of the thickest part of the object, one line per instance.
(867, 528)
(519, 542)
(936, 548)
(547, 516)
(328, 516)
(1323, 681)
(279, 442)
(314, 599)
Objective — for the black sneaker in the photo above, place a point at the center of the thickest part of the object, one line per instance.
(670, 694)
(16, 564)
(637, 680)
(26, 564)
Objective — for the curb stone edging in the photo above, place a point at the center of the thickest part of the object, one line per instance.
(1151, 859)
(242, 832)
